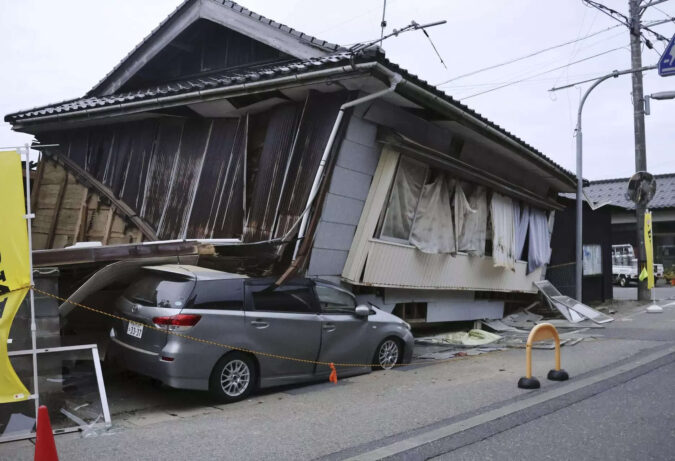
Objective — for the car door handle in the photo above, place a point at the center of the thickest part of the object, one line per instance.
(329, 327)
(259, 324)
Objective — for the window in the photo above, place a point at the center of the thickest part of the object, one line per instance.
(219, 294)
(160, 289)
(411, 312)
(592, 261)
(403, 200)
(286, 298)
(335, 301)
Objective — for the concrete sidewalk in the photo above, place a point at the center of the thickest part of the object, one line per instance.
(359, 414)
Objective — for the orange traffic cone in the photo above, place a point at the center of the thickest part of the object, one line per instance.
(45, 448)
(333, 374)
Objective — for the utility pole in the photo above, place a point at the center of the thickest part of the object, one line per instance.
(639, 131)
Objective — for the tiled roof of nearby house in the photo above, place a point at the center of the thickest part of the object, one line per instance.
(251, 74)
(613, 191)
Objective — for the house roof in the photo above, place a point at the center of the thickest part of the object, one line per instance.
(252, 74)
(99, 102)
(228, 7)
(613, 191)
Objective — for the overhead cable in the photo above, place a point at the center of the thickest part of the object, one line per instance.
(542, 73)
(536, 53)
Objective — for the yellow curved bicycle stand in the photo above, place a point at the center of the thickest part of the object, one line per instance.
(539, 333)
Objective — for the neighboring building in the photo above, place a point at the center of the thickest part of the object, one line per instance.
(597, 252)
(624, 230)
(218, 138)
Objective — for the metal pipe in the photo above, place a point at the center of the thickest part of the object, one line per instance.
(394, 80)
(33, 327)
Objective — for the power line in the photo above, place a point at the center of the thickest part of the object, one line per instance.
(542, 73)
(494, 66)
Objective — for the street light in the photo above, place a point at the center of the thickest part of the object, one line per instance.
(658, 96)
(580, 203)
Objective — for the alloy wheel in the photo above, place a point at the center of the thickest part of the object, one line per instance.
(235, 378)
(388, 354)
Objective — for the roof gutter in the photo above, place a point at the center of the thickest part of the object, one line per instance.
(413, 90)
(193, 97)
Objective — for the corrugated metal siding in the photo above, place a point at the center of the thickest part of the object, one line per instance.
(317, 121)
(270, 169)
(187, 177)
(395, 265)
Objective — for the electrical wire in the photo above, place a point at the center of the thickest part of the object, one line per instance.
(530, 55)
(542, 73)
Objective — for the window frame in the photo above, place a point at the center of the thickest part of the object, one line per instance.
(249, 289)
(339, 290)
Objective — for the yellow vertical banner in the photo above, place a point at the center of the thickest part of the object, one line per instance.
(14, 267)
(649, 249)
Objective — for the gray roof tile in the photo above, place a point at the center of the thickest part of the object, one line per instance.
(613, 190)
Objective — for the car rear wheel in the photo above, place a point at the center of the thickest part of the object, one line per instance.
(388, 354)
(233, 378)
(622, 281)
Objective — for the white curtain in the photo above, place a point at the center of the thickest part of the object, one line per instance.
(503, 231)
(521, 218)
(432, 230)
(539, 249)
(462, 210)
(404, 195)
(471, 238)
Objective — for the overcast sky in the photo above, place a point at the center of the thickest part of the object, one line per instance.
(55, 50)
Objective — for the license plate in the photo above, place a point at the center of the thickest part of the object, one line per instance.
(135, 330)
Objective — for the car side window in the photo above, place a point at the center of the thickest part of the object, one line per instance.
(335, 301)
(225, 294)
(286, 298)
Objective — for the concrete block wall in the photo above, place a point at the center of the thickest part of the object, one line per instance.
(350, 183)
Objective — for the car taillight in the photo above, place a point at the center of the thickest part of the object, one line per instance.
(180, 320)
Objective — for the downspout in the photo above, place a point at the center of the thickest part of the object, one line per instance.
(394, 80)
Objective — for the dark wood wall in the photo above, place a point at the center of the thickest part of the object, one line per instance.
(246, 177)
(597, 229)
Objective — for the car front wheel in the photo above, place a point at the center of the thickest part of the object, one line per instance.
(233, 378)
(388, 354)
(622, 281)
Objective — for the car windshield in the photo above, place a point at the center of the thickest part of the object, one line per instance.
(162, 290)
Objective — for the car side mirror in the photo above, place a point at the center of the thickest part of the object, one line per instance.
(362, 311)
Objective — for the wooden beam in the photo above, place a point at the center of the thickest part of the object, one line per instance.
(108, 224)
(35, 187)
(57, 209)
(88, 180)
(80, 225)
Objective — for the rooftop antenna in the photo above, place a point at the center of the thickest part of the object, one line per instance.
(360, 47)
(383, 23)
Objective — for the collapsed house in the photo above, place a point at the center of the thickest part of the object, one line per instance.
(228, 140)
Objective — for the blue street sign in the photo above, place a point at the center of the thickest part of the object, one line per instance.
(667, 61)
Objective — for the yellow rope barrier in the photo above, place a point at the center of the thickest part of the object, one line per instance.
(226, 346)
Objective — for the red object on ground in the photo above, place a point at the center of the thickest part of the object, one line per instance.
(45, 448)
(333, 374)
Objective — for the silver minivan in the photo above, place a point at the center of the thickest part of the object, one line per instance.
(278, 331)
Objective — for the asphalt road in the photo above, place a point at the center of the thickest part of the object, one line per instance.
(632, 420)
(617, 399)
(630, 292)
